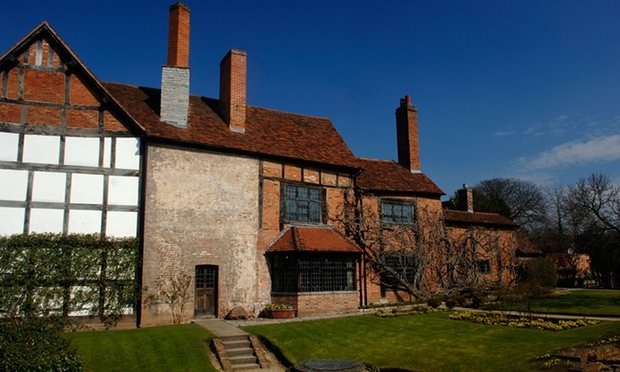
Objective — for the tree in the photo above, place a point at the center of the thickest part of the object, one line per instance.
(598, 201)
(601, 198)
(419, 258)
(521, 201)
(173, 291)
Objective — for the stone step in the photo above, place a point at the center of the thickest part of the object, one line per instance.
(234, 338)
(248, 366)
(242, 360)
(237, 344)
(244, 351)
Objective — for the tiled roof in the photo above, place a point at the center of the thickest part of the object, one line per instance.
(267, 132)
(312, 239)
(478, 219)
(387, 175)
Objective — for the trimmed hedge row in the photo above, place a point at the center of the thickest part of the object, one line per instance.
(56, 275)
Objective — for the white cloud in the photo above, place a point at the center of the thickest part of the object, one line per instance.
(503, 133)
(605, 148)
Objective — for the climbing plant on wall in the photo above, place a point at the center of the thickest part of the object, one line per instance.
(56, 275)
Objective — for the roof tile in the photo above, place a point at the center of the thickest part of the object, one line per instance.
(267, 133)
(478, 218)
(387, 175)
(312, 239)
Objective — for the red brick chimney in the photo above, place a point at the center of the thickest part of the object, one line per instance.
(233, 89)
(174, 108)
(466, 199)
(407, 135)
(178, 36)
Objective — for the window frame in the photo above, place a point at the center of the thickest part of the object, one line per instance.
(303, 273)
(396, 218)
(308, 208)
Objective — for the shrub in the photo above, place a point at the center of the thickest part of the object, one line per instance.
(434, 302)
(455, 300)
(35, 345)
(540, 273)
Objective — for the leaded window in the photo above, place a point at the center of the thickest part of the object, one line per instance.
(313, 273)
(396, 269)
(396, 212)
(302, 204)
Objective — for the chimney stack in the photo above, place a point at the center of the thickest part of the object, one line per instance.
(233, 89)
(174, 108)
(407, 135)
(466, 199)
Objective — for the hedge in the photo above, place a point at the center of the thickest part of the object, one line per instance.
(54, 275)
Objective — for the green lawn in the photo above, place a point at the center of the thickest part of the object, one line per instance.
(579, 302)
(429, 342)
(167, 348)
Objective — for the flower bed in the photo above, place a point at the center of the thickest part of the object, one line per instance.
(409, 311)
(496, 318)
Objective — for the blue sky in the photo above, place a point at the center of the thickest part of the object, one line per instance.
(527, 89)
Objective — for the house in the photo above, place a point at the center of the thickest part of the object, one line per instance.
(254, 205)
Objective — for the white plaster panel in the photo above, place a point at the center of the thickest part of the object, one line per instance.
(107, 152)
(86, 188)
(123, 190)
(127, 153)
(46, 220)
(49, 187)
(84, 222)
(12, 221)
(121, 224)
(8, 146)
(41, 149)
(82, 151)
(13, 184)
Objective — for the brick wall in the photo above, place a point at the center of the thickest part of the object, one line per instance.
(201, 209)
(42, 90)
(273, 176)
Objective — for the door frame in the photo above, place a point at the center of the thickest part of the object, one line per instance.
(215, 269)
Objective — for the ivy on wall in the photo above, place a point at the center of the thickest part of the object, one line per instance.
(56, 275)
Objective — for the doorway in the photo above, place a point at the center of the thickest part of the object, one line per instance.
(206, 291)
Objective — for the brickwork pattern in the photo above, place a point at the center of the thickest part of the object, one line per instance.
(178, 35)
(233, 89)
(201, 209)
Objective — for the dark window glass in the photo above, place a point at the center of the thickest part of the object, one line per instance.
(397, 268)
(302, 204)
(396, 212)
(316, 273)
(484, 266)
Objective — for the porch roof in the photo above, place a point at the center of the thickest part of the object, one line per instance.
(312, 239)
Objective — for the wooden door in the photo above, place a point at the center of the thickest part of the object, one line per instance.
(206, 291)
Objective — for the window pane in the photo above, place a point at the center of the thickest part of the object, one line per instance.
(315, 212)
(302, 193)
(290, 210)
(302, 204)
(395, 212)
(314, 194)
(290, 192)
(302, 211)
